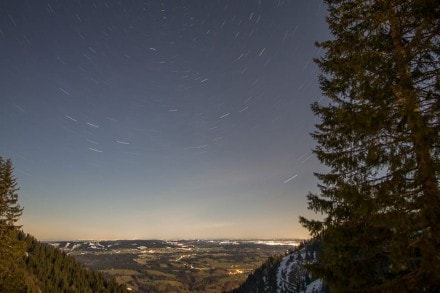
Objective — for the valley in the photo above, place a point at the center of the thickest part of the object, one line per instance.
(178, 266)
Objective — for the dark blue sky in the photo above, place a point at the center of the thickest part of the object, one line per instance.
(160, 119)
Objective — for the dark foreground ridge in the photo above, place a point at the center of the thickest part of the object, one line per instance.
(47, 269)
(286, 273)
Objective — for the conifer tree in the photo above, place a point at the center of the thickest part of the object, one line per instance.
(379, 135)
(12, 250)
(10, 210)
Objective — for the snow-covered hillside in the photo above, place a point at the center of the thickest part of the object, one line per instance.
(286, 274)
(293, 277)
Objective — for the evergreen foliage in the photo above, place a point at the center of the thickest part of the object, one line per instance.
(27, 265)
(55, 271)
(263, 279)
(12, 251)
(379, 136)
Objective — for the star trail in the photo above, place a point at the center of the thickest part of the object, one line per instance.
(160, 119)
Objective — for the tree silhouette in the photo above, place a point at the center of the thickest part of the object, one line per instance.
(12, 250)
(379, 135)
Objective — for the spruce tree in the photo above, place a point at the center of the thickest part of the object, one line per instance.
(12, 250)
(378, 134)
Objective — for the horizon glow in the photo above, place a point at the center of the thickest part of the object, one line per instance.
(161, 120)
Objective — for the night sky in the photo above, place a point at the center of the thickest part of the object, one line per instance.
(160, 119)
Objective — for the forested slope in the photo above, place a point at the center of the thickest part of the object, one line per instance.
(286, 273)
(55, 271)
(44, 268)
